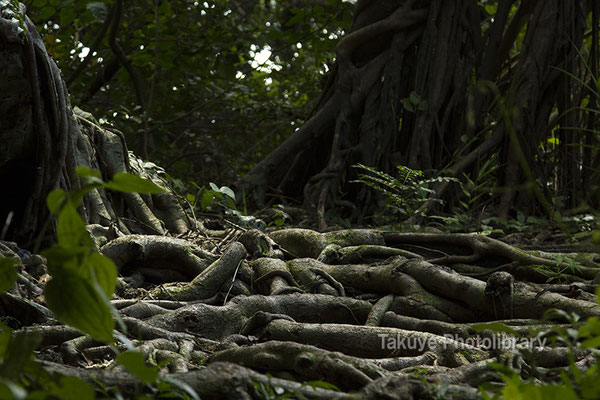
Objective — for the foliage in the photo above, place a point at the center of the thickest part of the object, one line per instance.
(573, 383)
(78, 294)
(77, 269)
(206, 88)
(21, 376)
(406, 194)
(216, 198)
(281, 217)
(273, 392)
(414, 102)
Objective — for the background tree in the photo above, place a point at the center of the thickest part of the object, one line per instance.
(206, 89)
(447, 86)
(429, 86)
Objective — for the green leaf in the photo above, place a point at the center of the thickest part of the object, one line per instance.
(5, 338)
(181, 385)
(97, 9)
(70, 228)
(75, 302)
(55, 200)
(67, 15)
(228, 192)
(125, 182)
(19, 351)
(104, 271)
(85, 171)
(65, 258)
(90, 183)
(208, 197)
(491, 8)
(8, 273)
(591, 343)
(46, 12)
(191, 198)
(72, 388)
(415, 98)
(10, 390)
(135, 362)
(322, 385)
(408, 105)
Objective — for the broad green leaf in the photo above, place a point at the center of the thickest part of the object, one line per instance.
(414, 97)
(70, 228)
(8, 273)
(408, 105)
(228, 192)
(179, 384)
(55, 200)
(557, 392)
(46, 13)
(125, 182)
(5, 338)
(207, 199)
(591, 343)
(491, 8)
(191, 198)
(135, 363)
(10, 390)
(85, 171)
(214, 187)
(75, 302)
(104, 271)
(65, 258)
(97, 9)
(90, 184)
(72, 388)
(322, 385)
(67, 15)
(590, 328)
(19, 351)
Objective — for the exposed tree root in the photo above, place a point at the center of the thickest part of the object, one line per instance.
(349, 307)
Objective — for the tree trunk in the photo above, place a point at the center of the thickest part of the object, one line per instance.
(428, 84)
(45, 141)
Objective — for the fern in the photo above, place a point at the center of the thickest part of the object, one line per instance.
(406, 193)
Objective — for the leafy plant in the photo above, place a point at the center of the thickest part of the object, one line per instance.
(82, 274)
(280, 216)
(414, 102)
(573, 384)
(216, 197)
(247, 75)
(406, 193)
(270, 392)
(475, 194)
(77, 269)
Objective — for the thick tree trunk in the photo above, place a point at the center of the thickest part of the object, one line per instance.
(407, 89)
(44, 141)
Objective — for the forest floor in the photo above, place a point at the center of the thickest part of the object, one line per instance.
(234, 312)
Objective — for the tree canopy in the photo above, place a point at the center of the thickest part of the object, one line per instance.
(206, 89)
